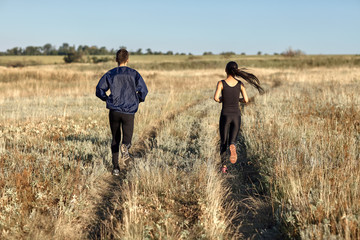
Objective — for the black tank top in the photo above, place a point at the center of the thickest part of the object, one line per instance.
(230, 98)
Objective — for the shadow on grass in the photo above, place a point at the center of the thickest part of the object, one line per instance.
(108, 213)
(254, 218)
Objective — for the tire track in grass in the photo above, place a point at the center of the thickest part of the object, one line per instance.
(146, 140)
(255, 218)
(175, 192)
(252, 208)
(108, 189)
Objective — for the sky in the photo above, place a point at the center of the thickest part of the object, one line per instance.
(189, 26)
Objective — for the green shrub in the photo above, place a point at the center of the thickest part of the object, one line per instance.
(73, 57)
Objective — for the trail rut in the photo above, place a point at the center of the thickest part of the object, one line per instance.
(254, 219)
(103, 222)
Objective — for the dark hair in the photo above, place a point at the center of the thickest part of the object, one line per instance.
(233, 70)
(122, 56)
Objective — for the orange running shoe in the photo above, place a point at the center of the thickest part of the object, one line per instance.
(233, 155)
(224, 169)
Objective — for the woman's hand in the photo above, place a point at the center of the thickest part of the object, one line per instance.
(242, 100)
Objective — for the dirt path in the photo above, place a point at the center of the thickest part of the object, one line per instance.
(254, 219)
(108, 190)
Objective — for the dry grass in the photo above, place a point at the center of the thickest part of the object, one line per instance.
(55, 150)
(55, 182)
(305, 134)
(187, 199)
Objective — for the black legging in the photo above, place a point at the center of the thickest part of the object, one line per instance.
(126, 122)
(229, 128)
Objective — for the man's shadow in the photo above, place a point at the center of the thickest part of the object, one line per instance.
(108, 212)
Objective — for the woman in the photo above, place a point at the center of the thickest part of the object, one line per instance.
(228, 93)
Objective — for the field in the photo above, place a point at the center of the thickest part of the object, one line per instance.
(297, 176)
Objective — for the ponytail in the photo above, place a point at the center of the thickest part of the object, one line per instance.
(250, 78)
(233, 70)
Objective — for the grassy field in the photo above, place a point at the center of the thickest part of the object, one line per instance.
(297, 174)
(30, 60)
(179, 62)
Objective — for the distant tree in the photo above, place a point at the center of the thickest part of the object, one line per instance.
(112, 51)
(148, 51)
(207, 53)
(80, 49)
(73, 56)
(47, 49)
(64, 49)
(169, 53)
(243, 53)
(292, 53)
(103, 51)
(227, 54)
(14, 51)
(93, 50)
(259, 53)
(31, 50)
(86, 50)
(139, 52)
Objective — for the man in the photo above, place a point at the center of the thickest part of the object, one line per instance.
(127, 90)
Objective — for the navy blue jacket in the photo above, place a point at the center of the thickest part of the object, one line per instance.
(127, 89)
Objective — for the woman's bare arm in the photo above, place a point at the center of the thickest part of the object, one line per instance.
(245, 98)
(219, 88)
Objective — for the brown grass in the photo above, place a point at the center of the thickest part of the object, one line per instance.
(302, 136)
(305, 134)
(55, 145)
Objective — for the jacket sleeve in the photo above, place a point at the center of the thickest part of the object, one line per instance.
(141, 88)
(102, 87)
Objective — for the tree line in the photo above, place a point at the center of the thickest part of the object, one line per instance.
(66, 49)
(71, 51)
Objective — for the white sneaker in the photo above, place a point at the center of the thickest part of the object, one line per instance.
(116, 172)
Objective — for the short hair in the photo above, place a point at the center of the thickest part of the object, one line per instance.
(122, 56)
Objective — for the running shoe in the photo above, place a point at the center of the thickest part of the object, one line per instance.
(116, 172)
(224, 169)
(233, 155)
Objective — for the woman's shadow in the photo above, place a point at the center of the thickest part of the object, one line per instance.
(254, 216)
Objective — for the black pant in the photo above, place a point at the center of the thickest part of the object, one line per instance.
(229, 127)
(126, 122)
